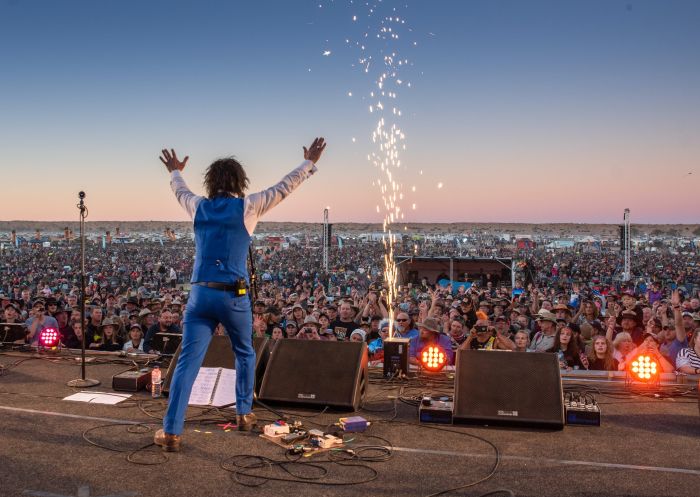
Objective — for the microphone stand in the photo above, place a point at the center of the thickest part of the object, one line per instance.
(82, 382)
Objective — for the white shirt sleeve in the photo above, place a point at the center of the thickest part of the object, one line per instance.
(257, 204)
(188, 200)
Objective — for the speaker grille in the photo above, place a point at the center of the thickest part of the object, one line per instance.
(220, 355)
(313, 372)
(510, 388)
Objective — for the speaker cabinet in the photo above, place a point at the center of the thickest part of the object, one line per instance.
(220, 355)
(316, 373)
(508, 388)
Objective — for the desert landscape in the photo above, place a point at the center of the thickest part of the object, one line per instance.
(562, 230)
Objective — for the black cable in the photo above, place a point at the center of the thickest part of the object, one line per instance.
(239, 471)
(131, 428)
(470, 435)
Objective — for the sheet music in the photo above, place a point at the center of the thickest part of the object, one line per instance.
(225, 392)
(203, 388)
(109, 398)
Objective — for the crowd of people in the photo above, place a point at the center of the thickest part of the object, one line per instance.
(568, 302)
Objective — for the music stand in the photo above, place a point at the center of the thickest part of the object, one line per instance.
(166, 343)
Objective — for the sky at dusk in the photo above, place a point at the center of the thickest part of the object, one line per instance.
(510, 111)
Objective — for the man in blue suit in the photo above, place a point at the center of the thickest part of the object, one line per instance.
(224, 222)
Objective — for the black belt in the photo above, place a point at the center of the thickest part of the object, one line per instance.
(240, 288)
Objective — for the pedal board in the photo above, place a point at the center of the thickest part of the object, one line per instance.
(433, 410)
(582, 412)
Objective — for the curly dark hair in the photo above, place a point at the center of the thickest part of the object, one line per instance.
(225, 177)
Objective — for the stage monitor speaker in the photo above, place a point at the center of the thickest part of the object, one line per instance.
(220, 355)
(508, 388)
(316, 373)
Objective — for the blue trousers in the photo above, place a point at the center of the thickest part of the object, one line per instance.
(206, 308)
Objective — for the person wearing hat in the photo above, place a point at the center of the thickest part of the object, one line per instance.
(155, 306)
(358, 335)
(110, 339)
(61, 316)
(298, 314)
(11, 314)
(485, 307)
(176, 305)
(51, 306)
(135, 341)
(650, 347)
(291, 329)
(430, 334)
(562, 311)
(259, 307)
(39, 321)
(498, 307)
(310, 329)
(544, 339)
(224, 222)
(689, 322)
(132, 304)
(373, 332)
(628, 324)
(466, 307)
(502, 326)
(146, 318)
(274, 318)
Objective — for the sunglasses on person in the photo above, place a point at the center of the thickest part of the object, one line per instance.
(402, 320)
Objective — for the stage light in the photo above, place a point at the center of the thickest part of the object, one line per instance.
(49, 338)
(644, 368)
(433, 358)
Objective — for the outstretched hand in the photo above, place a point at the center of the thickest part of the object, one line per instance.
(169, 158)
(313, 153)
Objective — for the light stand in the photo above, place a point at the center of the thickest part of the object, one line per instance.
(82, 382)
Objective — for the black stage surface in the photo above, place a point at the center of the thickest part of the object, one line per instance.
(644, 447)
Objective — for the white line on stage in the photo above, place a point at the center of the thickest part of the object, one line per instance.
(567, 462)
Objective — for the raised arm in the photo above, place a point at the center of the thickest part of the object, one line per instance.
(185, 197)
(678, 316)
(259, 203)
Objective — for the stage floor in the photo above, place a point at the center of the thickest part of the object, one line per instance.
(643, 448)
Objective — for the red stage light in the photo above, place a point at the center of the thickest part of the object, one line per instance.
(644, 368)
(49, 337)
(433, 358)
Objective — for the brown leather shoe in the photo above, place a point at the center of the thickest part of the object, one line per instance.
(246, 422)
(167, 441)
